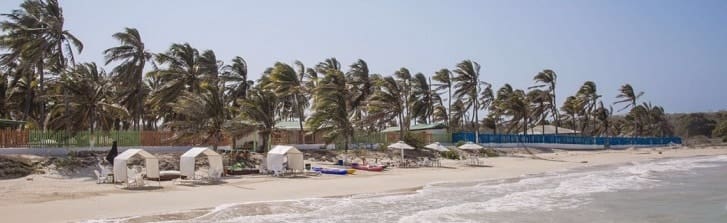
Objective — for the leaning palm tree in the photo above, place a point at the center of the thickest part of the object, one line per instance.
(603, 115)
(128, 74)
(444, 79)
(424, 99)
(36, 33)
(91, 103)
(361, 87)
(388, 104)
(628, 96)
(572, 107)
(286, 83)
(235, 78)
(203, 116)
(588, 94)
(331, 104)
(467, 85)
(547, 79)
(540, 107)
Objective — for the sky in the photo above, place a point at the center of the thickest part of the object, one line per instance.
(674, 51)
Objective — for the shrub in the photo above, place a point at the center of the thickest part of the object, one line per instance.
(450, 155)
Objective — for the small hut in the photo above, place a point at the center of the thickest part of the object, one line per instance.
(187, 161)
(150, 162)
(284, 158)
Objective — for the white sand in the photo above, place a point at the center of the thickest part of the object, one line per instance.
(45, 199)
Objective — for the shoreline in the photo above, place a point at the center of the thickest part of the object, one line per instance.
(113, 203)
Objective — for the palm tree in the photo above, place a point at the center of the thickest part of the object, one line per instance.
(203, 114)
(629, 96)
(423, 96)
(132, 56)
(235, 77)
(603, 115)
(258, 110)
(361, 88)
(36, 33)
(388, 103)
(286, 83)
(517, 106)
(572, 107)
(331, 104)
(404, 77)
(91, 103)
(589, 96)
(467, 85)
(498, 106)
(185, 70)
(444, 77)
(540, 100)
(548, 78)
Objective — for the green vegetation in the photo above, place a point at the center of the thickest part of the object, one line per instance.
(201, 97)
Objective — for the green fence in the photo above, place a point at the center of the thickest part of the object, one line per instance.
(83, 139)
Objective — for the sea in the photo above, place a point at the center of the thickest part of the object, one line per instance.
(666, 190)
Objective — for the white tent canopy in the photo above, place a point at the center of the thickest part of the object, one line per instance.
(186, 162)
(471, 146)
(282, 154)
(400, 145)
(151, 164)
(436, 146)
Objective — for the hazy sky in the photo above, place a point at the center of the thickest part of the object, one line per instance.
(675, 51)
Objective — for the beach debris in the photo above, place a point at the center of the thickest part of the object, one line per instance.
(584, 161)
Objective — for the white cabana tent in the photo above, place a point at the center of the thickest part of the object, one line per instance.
(151, 164)
(186, 162)
(400, 145)
(470, 146)
(282, 154)
(436, 146)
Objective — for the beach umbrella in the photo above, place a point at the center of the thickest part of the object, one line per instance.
(400, 145)
(470, 146)
(112, 153)
(437, 147)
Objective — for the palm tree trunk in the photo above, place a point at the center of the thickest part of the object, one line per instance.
(301, 138)
(449, 106)
(554, 109)
(41, 85)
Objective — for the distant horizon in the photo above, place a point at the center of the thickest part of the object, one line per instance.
(674, 51)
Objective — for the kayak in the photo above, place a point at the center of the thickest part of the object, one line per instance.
(331, 170)
(369, 168)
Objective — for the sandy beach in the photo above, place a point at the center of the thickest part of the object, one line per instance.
(39, 198)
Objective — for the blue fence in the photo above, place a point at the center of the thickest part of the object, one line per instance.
(562, 139)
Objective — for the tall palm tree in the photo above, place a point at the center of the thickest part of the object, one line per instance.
(404, 77)
(540, 100)
(444, 77)
(499, 104)
(286, 83)
(36, 33)
(361, 87)
(424, 99)
(132, 56)
(548, 78)
(91, 103)
(628, 96)
(517, 106)
(388, 103)
(467, 85)
(331, 104)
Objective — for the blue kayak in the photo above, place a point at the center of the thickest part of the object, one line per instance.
(331, 170)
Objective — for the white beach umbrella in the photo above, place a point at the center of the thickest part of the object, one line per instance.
(437, 147)
(400, 145)
(470, 146)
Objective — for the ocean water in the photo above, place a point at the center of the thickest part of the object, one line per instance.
(674, 190)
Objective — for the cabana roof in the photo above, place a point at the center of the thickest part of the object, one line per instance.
(186, 162)
(132, 152)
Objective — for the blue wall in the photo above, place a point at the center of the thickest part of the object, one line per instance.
(563, 139)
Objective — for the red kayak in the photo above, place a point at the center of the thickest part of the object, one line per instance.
(368, 168)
